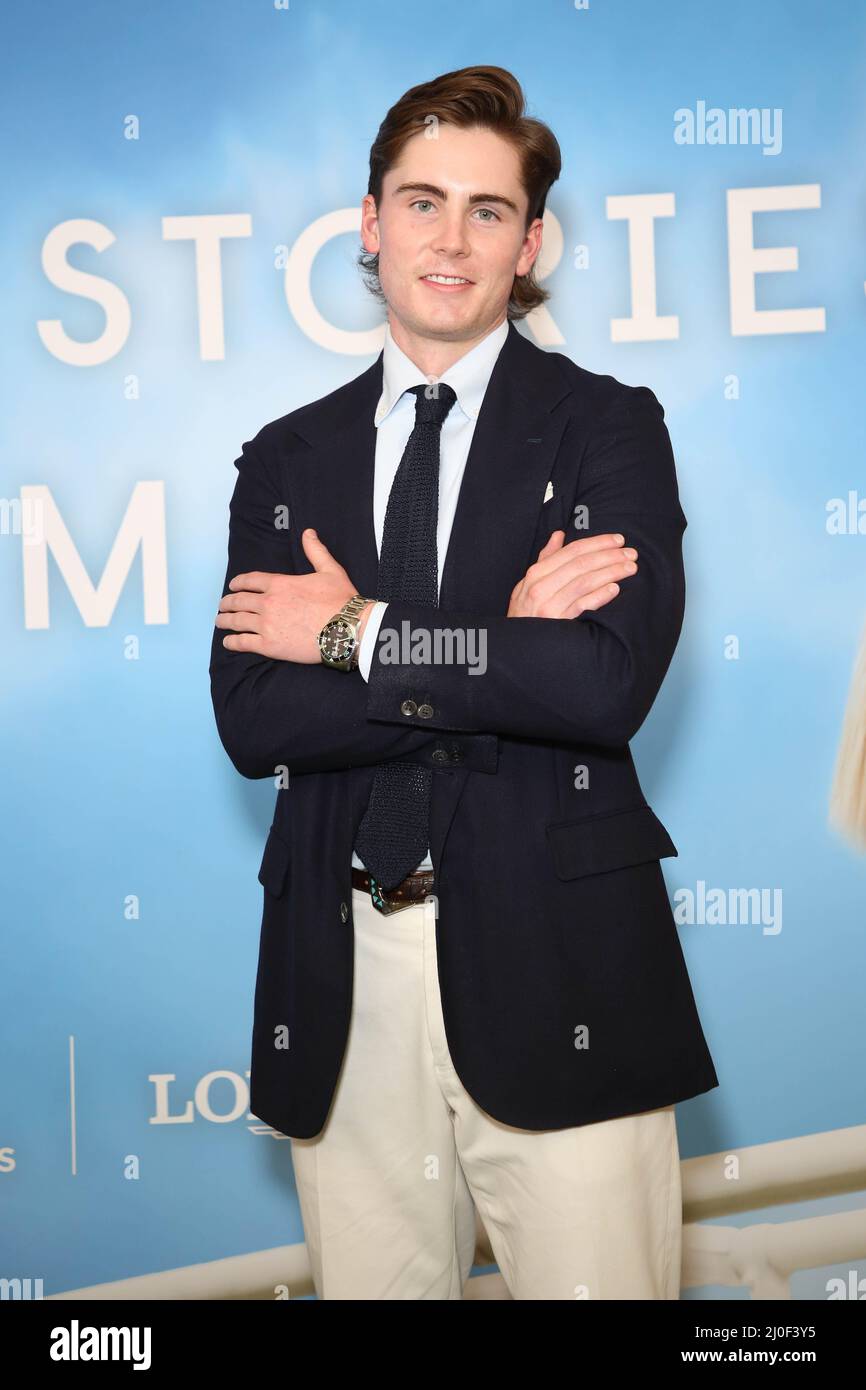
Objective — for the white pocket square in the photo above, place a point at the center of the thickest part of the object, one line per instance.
(548, 492)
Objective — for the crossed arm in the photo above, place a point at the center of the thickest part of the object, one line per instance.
(591, 678)
(272, 713)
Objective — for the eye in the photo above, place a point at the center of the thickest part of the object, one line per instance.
(419, 201)
(494, 215)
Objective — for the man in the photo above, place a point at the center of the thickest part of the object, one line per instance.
(470, 988)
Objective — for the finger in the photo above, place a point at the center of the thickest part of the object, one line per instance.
(603, 537)
(586, 581)
(590, 603)
(243, 642)
(246, 599)
(239, 622)
(550, 547)
(317, 552)
(581, 575)
(588, 560)
(584, 545)
(256, 581)
(592, 564)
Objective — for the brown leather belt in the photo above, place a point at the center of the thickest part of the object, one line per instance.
(415, 888)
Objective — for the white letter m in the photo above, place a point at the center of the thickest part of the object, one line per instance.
(143, 524)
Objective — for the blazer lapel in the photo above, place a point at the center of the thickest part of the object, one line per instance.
(332, 485)
(510, 461)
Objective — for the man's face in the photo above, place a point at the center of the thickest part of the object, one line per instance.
(430, 221)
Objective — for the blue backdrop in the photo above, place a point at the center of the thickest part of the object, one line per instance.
(134, 369)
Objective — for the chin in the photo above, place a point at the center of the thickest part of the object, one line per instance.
(453, 328)
(447, 312)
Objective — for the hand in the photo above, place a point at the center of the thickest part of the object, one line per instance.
(281, 615)
(567, 580)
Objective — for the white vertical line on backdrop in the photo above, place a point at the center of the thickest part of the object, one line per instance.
(72, 1099)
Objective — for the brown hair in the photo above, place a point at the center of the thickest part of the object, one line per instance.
(483, 96)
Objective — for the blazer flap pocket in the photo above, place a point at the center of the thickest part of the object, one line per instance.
(597, 844)
(275, 863)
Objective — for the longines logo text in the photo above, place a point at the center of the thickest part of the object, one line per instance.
(219, 1097)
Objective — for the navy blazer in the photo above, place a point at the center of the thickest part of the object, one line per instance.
(564, 989)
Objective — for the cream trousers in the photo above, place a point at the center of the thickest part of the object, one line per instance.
(388, 1189)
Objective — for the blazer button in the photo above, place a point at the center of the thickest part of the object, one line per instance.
(408, 707)
(440, 755)
(344, 912)
(425, 711)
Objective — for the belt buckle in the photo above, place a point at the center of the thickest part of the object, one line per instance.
(380, 901)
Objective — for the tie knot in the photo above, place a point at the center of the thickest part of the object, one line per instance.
(433, 402)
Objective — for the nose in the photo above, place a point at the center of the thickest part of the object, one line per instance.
(451, 237)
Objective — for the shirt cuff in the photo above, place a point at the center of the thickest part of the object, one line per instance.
(368, 641)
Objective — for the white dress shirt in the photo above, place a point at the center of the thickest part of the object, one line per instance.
(395, 420)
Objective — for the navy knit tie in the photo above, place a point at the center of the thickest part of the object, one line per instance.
(393, 836)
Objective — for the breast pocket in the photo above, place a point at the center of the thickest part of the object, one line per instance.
(274, 867)
(611, 840)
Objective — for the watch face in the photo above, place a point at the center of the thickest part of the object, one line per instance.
(337, 641)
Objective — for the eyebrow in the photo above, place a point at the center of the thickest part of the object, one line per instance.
(435, 192)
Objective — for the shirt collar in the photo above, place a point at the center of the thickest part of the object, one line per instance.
(468, 376)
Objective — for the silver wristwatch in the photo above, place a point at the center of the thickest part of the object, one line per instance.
(338, 640)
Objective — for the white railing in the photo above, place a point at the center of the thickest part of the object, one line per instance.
(761, 1257)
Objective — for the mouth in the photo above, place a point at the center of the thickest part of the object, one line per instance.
(446, 282)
